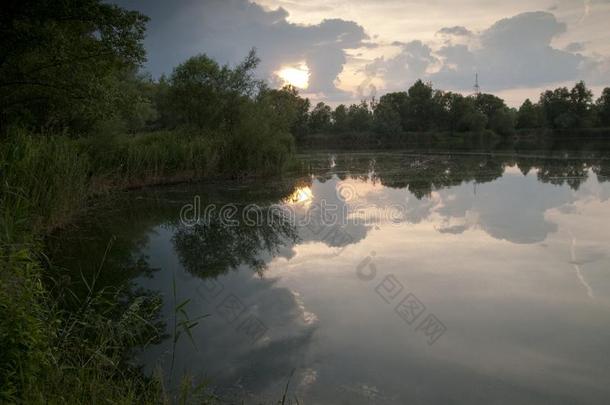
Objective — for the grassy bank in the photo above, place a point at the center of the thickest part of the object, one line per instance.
(53, 355)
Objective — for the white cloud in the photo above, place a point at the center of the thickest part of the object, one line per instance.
(514, 52)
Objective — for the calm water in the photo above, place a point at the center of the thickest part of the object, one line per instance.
(385, 278)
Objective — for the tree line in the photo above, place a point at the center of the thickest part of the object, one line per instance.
(424, 109)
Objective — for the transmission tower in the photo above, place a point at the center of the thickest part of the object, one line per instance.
(477, 88)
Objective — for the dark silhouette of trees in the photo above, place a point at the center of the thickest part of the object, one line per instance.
(289, 107)
(340, 119)
(360, 118)
(387, 118)
(320, 118)
(420, 107)
(568, 109)
(529, 116)
(61, 63)
(208, 96)
(603, 108)
(424, 109)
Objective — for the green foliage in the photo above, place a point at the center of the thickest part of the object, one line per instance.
(460, 113)
(603, 108)
(567, 109)
(387, 120)
(472, 120)
(59, 61)
(502, 121)
(340, 119)
(420, 111)
(119, 161)
(320, 118)
(359, 116)
(581, 105)
(290, 110)
(258, 143)
(555, 103)
(529, 115)
(423, 109)
(205, 95)
(390, 113)
(488, 104)
(24, 334)
(43, 177)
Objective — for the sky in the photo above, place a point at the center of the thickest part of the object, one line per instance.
(341, 51)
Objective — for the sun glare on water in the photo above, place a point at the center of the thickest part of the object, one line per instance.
(296, 76)
(300, 195)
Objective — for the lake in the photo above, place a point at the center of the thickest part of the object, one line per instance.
(373, 277)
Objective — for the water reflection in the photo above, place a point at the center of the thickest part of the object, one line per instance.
(510, 251)
(212, 248)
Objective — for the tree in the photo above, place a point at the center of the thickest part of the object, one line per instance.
(386, 115)
(289, 107)
(359, 117)
(603, 108)
(554, 105)
(472, 120)
(206, 95)
(499, 117)
(420, 108)
(565, 109)
(136, 106)
(488, 104)
(59, 61)
(320, 118)
(460, 113)
(502, 121)
(581, 105)
(529, 115)
(340, 119)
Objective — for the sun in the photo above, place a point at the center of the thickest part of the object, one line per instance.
(296, 76)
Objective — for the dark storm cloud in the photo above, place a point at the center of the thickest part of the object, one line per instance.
(227, 29)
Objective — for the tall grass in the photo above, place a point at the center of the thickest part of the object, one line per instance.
(129, 161)
(49, 354)
(44, 180)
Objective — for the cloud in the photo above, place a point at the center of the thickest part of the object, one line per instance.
(513, 52)
(575, 47)
(411, 63)
(456, 30)
(227, 29)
